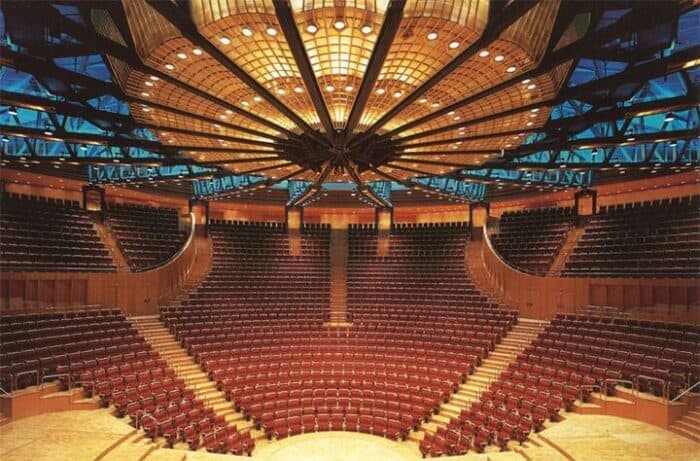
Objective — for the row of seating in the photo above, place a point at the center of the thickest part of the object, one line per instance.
(41, 234)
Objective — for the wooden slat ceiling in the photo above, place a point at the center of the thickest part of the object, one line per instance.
(338, 38)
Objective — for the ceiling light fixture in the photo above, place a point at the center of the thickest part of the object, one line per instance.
(147, 83)
(225, 40)
(181, 55)
(330, 88)
(298, 89)
(154, 78)
(271, 31)
(499, 58)
(484, 53)
(339, 24)
(312, 28)
(432, 36)
(197, 51)
(281, 91)
(366, 29)
(169, 66)
(511, 69)
(380, 91)
(453, 45)
(531, 86)
(349, 88)
(246, 32)
(669, 117)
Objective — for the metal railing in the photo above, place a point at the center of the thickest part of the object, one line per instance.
(15, 378)
(664, 384)
(616, 381)
(686, 391)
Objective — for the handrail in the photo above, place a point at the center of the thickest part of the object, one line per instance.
(685, 391)
(182, 249)
(3, 391)
(588, 386)
(617, 380)
(664, 384)
(26, 372)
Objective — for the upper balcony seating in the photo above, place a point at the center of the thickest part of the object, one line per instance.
(649, 239)
(530, 239)
(45, 234)
(574, 356)
(147, 236)
(256, 326)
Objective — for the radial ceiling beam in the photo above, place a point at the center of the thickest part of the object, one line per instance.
(286, 19)
(41, 69)
(452, 152)
(53, 106)
(265, 168)
(99, 140)
(643, 72)
(201, 118)
(596, 143)
(127, 55)
(179, 18)
(591, 39)
(392, 21)
(314, 189)
(509, 15)
(365, 190)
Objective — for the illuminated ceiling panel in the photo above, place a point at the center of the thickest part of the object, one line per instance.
(305, 89)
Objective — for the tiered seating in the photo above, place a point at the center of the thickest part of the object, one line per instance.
(40, 345)
(575, 355)
(147, 236)
(40, 233)
(256, 326)
(650, 239)
(530, 239)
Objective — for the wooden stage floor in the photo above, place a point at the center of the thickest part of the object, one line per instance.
(97, 435)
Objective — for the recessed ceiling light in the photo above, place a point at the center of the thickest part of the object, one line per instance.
(349, 88)
(225, 40)
(281, 91)
(245, 103)
(48, 133)
(330, 88)
(257, 98)
(169, 66)
(669, 117)
(435, 104)
(422, 100)
(147, 83)
(339, 24)
(145, 109)
(271, 31)
(531, 86)
(197, 51)
(511, 69)
(483, 53)
(154, 78)
(366, 29)
(432, 36)
(312, 28)
(145, 94)
(380, 91)
(499, 58)
(298, 89)
(246, 31)
(181, 55)
(453, 45)
(397, 94)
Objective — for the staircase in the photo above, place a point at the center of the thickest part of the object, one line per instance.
(339, 275)
(185, 367)
(111, 245)
(490, 369)
(689, 425)
(560, 260)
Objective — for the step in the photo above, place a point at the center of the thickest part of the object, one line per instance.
(688, 426)
(684, 432)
